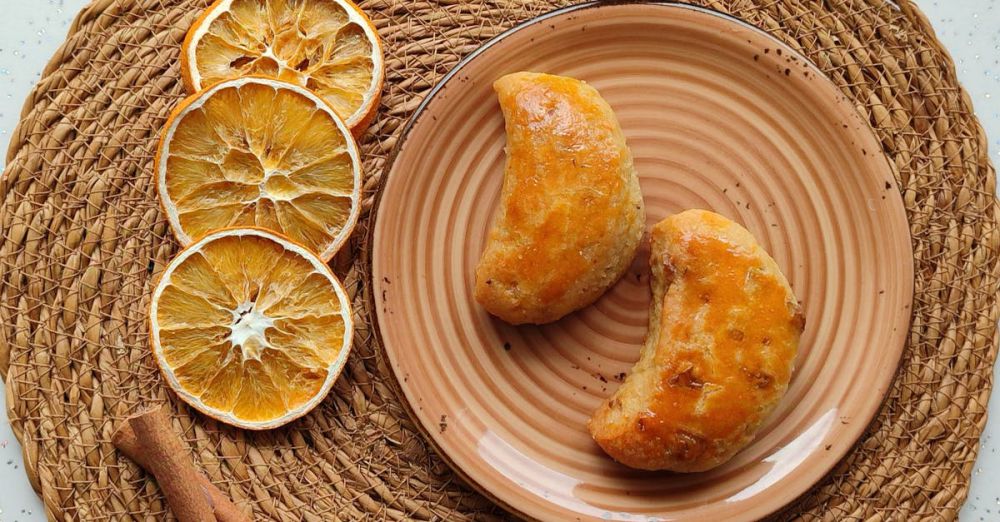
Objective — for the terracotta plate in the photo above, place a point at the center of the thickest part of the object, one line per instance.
(719, 115)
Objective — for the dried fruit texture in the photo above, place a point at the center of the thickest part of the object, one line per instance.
(258, 152)
(250, 328)
(328, 46)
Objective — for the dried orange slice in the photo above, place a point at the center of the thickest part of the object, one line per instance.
(250, 328)
(260, 152)
(327, 46)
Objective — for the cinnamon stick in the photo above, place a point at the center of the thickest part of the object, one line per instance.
(149, 440)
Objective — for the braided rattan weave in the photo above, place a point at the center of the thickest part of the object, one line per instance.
(83, 238)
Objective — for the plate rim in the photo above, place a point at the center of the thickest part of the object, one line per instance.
(374, 232)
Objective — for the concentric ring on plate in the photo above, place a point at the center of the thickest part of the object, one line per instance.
(719, 115)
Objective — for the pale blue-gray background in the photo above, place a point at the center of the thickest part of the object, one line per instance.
(31, 30)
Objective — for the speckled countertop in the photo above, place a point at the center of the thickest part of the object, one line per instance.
(30, 31)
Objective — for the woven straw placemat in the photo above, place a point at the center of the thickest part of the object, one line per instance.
(83, 237)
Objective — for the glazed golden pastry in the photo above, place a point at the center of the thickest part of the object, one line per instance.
(724, 329)
(570, 216)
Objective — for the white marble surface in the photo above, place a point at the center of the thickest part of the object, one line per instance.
(31, 30)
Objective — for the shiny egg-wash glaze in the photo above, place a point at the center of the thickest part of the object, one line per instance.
(571, 213)
(724, 330)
